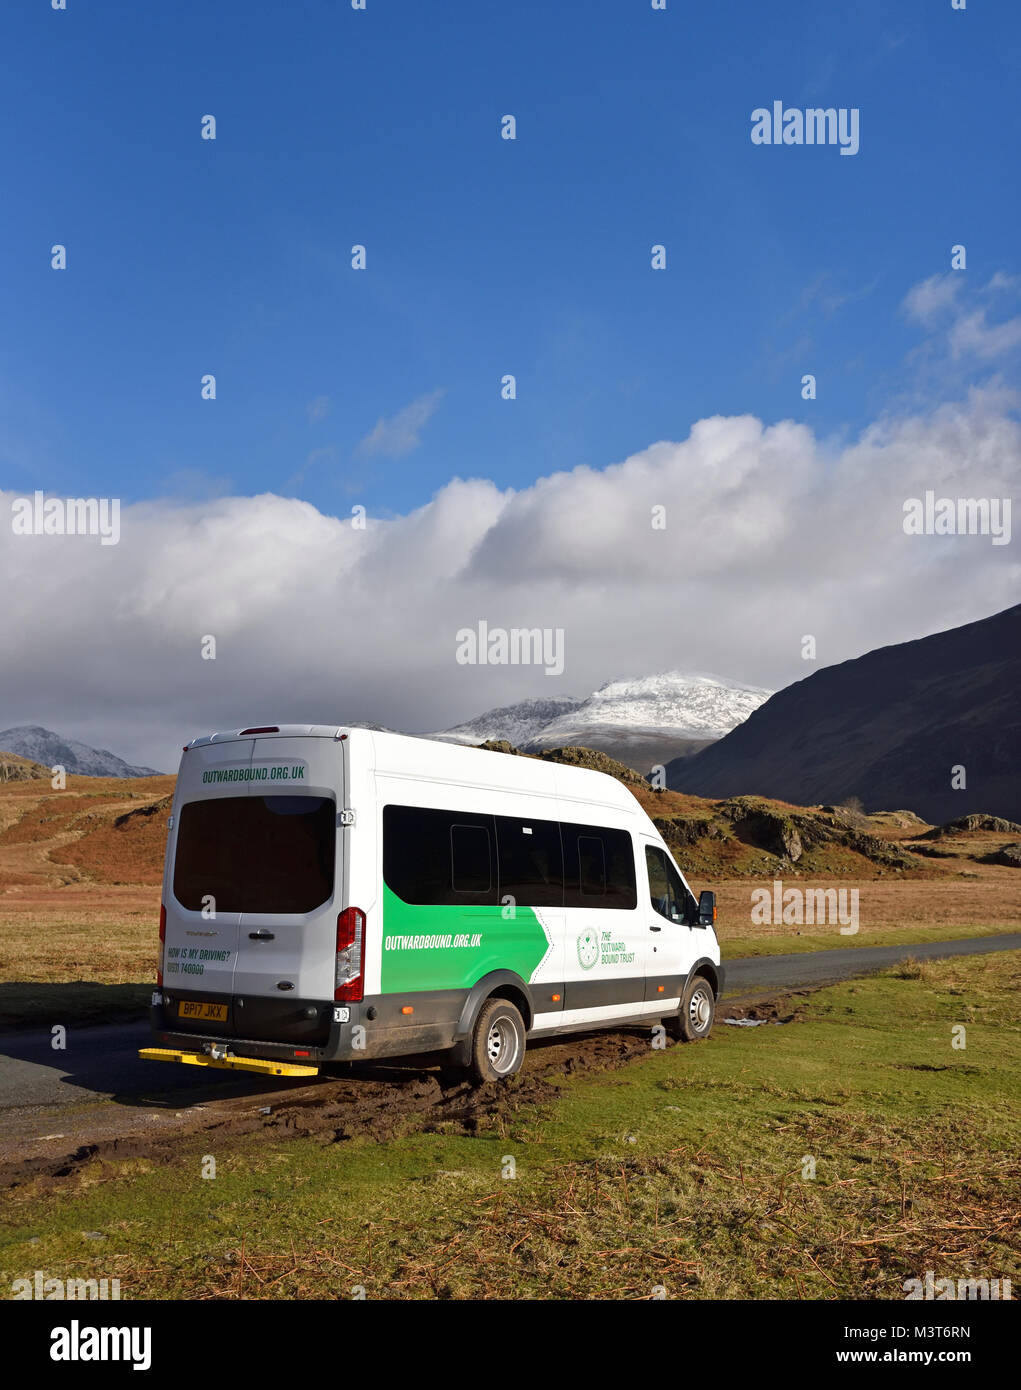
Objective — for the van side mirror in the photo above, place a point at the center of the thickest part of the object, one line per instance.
(706, 908)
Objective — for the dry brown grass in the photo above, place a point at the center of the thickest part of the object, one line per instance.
(79, 897)
(991, 900)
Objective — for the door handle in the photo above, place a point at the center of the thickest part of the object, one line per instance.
(655, 929)
(260, 936)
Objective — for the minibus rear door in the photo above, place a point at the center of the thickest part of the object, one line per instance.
(287, 940)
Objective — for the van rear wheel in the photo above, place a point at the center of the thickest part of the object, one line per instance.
(498, 1042)
(694, 1019)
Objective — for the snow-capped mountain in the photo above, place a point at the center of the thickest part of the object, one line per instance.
(648, 720)
(46, 747)
(520, 724)
(689, 706)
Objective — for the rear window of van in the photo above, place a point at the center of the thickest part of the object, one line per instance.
(260, 854)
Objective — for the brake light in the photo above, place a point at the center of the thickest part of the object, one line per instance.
(163, 942)
(264, 729)
(349, 983)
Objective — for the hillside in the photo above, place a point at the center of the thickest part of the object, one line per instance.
(97, 830)
(887, 728)
(113, 831)
(750, 836)
(44, 746)
(80, 871)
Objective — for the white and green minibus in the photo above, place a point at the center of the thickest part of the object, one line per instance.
(338, 894)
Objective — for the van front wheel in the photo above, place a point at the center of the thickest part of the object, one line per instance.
(498, 1043)
(694, 1019)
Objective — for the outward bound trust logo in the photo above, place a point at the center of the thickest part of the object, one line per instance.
(588, 949)
(815, 125)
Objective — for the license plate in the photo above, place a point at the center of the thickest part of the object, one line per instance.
(202, 1011)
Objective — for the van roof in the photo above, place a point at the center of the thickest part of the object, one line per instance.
(398, 753)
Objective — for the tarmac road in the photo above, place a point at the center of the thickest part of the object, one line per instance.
(101, 1063)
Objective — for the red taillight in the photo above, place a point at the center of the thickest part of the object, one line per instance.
(163, 938)
(263, 729)
(349, 984)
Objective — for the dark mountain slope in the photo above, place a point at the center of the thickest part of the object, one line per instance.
(887, 727)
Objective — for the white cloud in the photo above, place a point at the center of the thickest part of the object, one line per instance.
(400, 434)
(963, 328)
(974, 335)
(315, 458)
(318, 409)
(928, 300)
(770, 536)
(825, 293)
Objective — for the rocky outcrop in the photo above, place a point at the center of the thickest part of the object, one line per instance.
(786, 834)
(16, 769)
(973, 822)
(589, 758)
(1007, 854)
(595, 761)
(153, 808)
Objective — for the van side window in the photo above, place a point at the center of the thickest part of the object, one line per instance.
(666, 890)
(591, 867)
(470, 859)
(531, 861)
(438, 858)
(599, 868)
(447, 858)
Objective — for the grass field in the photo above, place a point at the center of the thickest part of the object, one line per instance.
(80, 871)
(687, 1171)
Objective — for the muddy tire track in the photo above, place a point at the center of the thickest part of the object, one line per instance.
(376, 1101)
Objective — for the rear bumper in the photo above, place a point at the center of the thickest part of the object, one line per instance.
(167, 1037)
(372, 1028)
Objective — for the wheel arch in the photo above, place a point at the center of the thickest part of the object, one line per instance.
(498, 984)
(710, 971)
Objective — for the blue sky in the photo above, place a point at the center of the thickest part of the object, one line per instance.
(484, 256)
(341, 388)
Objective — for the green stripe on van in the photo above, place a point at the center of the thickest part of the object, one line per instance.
(453, 947)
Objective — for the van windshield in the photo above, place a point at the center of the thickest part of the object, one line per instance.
(256, 853)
